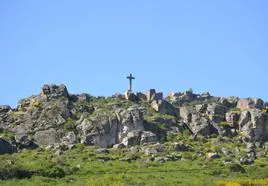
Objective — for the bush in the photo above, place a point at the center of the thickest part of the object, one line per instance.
(37, 104)
(70, 124)
(224, 123)
(54, 172)
(9, 170)
(235, 167)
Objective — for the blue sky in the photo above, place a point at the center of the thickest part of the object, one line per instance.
(91, 46)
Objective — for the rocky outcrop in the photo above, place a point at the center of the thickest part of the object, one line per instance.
(148, 137)
(57, 117)
(197, 122)
(253, 125)
(181, 97)
(131, 96)
(5, 116)
(108, 129)
(164, 107)
(100, 130)
(249, 103)
(232, 118)
(152, 95)
(24, 142)
(54, 91)
(48, 137)
(216, 109)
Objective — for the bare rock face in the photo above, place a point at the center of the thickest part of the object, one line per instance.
(100, 130)
(216, 109)
(201, 125)
(130, 120)
(83, 97)
(48, 137)
(201, 108)
(5, 116)
(232, 118)
(23, 142)
(54, 91)
(249, 103)
(52, 117)
(232, 100)
(164, 107)
(106, 129)
(186, 114)
(253, 125)
(133, 138)
(244, 119)
(197, 122)
(131, 97)
(182, 96)
(141, 96)
(148, 137)
(153, 95)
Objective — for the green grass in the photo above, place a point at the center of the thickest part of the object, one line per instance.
(80, 166)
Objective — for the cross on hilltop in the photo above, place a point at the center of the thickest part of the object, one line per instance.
(130, 77)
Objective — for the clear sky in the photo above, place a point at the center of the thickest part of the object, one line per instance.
(220, 46)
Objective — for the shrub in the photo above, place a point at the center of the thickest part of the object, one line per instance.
(9, 170)
(70, 124)
(37, 104)
(54, 172)
(223, 124)
(235, 167)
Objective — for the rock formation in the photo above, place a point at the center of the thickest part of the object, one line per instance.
(57, 117)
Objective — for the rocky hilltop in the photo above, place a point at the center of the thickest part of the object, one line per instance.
(136, 121)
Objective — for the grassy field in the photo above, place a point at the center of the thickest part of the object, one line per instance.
(83, 166)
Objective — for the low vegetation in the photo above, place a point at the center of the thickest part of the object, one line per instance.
(82, 165)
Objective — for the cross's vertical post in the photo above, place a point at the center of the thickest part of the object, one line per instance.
(130, 77)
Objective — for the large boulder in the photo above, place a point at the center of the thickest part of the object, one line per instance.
(131, 96)
(164, 107)
(133, 138)
(130, 120)
(100, 130)
(148, 137)
(24, 142)
(201, 125)
(48, 137)
(153, 95)
(6, 147)
(198, 123)
(55, 91)
(249, 103)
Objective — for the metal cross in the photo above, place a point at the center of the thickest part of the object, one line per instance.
(130, 77)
